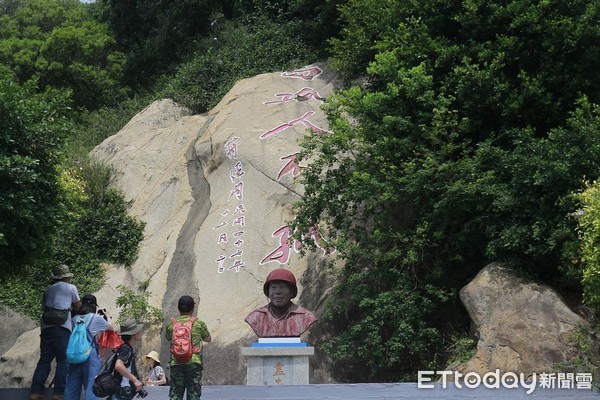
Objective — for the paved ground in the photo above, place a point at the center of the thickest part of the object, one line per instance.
(395, 391)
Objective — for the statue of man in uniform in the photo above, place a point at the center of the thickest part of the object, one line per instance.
(280, 317)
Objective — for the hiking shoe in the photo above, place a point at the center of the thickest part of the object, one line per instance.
(37, 396)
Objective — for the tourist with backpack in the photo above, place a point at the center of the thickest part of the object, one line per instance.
(125, 365)
(56, 326)
(83, 353)
(186, 334)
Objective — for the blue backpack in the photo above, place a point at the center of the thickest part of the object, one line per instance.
(80, 342)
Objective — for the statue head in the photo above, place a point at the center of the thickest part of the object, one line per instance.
(281, 317)
(281, 275)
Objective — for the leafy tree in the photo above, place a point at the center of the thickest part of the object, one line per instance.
(61, 44)
(315, 21)
(10, 6)
(33, 129)
(476, 122)
(156, 34)
(238, 52)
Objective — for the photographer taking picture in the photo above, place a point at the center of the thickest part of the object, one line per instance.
(83, 374)
(131, 333)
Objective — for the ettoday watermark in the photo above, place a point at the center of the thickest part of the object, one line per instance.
(496, 379)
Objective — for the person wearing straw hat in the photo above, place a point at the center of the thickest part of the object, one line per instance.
(157, 376)
(55, 327)
(131, 333)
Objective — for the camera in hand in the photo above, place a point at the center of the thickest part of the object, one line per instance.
(102, 311)
(142, 393)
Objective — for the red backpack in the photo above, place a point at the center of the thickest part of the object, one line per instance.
(182, 347)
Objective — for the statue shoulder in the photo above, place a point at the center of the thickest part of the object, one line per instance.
(257, 312)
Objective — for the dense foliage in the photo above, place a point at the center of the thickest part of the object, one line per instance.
(33, 130)
(56, 206)
(59, 43)
(94, 229)
(238, 52)
(159, 35)
(476, 122)
(155, 34)
(588, 218)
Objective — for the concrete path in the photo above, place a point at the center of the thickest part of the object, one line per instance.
(363, 391)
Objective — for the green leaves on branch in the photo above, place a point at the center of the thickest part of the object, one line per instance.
(390, 331)
(104, 231)
(135, 306)
(588, 219)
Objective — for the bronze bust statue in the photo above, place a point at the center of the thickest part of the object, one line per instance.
(280, 317)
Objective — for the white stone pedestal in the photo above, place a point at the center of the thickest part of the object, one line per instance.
(278, 365)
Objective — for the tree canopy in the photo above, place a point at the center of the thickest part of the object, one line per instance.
(61, 45)
(476, 122)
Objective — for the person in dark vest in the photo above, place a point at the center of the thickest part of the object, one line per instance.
(59, 298)
(280, 317)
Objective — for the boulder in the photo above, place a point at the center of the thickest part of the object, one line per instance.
(215, 191)
(521, 326)
(13, 326)
(19, 362)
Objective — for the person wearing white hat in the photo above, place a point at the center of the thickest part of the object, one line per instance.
(157, 375)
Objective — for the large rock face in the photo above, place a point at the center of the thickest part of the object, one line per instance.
(215, 192)
(522, 327)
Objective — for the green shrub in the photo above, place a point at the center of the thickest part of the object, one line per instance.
(33, 129)
(588, 219)
(238, 52)
(104, 232)
(92, 127)
(61, 44)
(461, 349)
(584, 355)
(135, 306)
